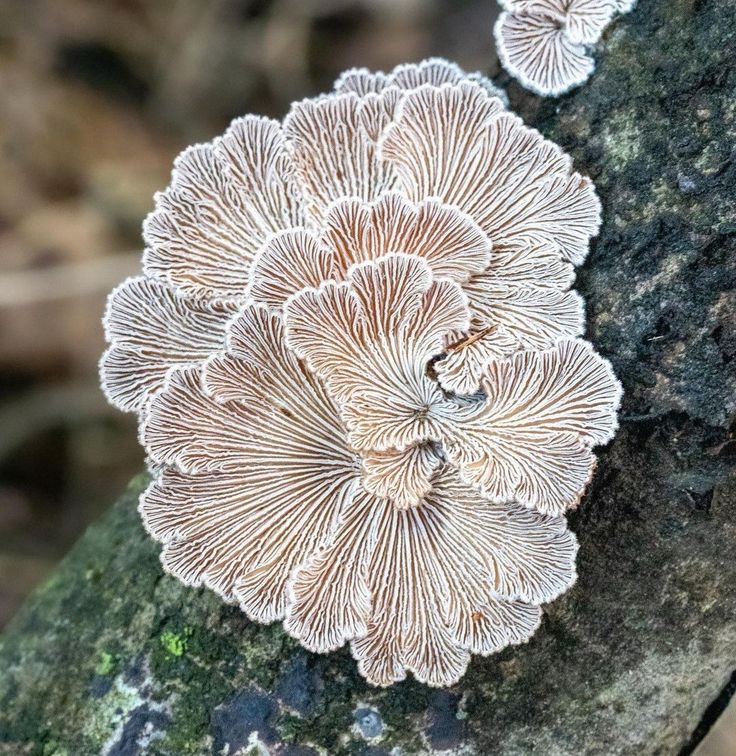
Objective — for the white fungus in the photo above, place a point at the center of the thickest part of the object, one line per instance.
(545, 44)
(354, 357)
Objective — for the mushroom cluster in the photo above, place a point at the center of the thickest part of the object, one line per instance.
(545, 44)
(355, 359)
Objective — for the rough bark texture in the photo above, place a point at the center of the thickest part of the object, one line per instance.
(112, 656)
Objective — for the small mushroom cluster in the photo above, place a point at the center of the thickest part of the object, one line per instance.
(355, 356)
(545, 44)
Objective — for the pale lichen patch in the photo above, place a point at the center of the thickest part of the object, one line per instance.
(128, 712)
(622, 140)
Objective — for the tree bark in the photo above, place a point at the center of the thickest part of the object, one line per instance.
(113, 656)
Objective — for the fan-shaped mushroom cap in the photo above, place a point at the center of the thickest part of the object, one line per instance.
(258, 453)
(370, 340)
(224, 200)
(434, 576)
(517, 186)
(460, 370)
(536, 51)
(542, 43)
(404, 476)
(531, 440)
(151, 330)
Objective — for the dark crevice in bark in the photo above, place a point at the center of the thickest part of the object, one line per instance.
(710, 716)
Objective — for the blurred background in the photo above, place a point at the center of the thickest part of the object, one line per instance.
(96, 99)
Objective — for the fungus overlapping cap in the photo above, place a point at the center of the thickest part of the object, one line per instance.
(545, 43)
(353, 351)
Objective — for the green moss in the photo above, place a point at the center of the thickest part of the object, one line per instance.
(175, 643)
(106, 664)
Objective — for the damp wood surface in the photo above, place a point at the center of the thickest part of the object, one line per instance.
(112, 656)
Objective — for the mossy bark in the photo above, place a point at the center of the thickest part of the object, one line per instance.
(112, 656)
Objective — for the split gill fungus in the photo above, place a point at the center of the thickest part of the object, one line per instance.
(546, 44)
(355, 356)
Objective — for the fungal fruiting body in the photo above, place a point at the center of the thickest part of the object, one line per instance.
(355, 357)
(545, 44)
